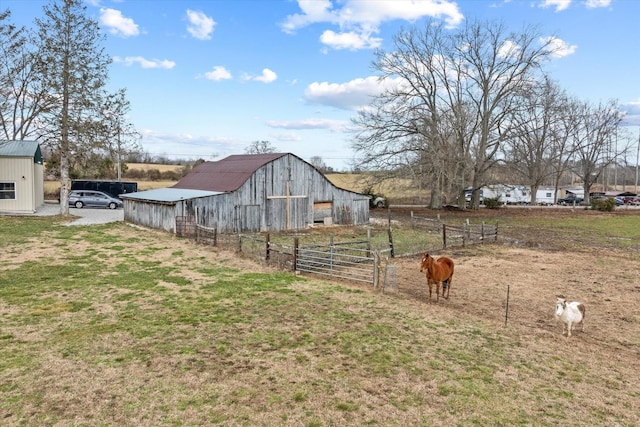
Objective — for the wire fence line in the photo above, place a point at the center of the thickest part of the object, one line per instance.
(368, 260)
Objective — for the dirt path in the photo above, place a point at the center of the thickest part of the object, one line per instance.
(607, 283)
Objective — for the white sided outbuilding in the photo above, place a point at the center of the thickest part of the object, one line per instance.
(21, 176)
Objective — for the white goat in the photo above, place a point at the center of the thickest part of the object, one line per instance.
(570, 313)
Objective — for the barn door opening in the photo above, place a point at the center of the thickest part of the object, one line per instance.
(322, 212)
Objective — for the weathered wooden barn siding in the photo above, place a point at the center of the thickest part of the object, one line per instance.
(151, 214)
(278, 196)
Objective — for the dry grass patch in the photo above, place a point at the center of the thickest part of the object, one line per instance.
(140, 328)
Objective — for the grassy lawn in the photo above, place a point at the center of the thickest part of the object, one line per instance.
(113, 325)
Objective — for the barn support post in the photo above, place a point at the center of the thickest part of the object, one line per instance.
(296, 242)
(267, 248)
(444, 236)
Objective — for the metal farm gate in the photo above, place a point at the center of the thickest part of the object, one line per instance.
(359, 265)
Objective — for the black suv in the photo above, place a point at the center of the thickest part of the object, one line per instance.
(570, 200)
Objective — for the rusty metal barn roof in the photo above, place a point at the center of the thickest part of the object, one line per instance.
(168, 195)
(227, 174)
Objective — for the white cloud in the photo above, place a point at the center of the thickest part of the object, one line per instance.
(200, 25)
(559, 48)
(509, 49)
(185, 145)
(310, 124)
(218, 73)
(145, 63)
(287, 137)
(592, 4)
(632, 113)
(350, 40)
(267, 76)
(352, 95)
(118, 24)
(558, 4)
(358, 19)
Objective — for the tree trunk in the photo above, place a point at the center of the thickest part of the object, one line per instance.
(65, 185)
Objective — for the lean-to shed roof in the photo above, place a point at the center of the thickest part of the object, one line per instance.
(21, 149)
(168, 195)
(227, 174)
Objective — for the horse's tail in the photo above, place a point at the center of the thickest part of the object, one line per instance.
(450, 264)
(583, 310)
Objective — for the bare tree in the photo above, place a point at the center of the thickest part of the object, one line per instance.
(537, 138)
(74, 70)
(121, 138)
(446, 103)
(498, 65)
(23, 98)
(318, 163)
(594, 127)
(260, 147)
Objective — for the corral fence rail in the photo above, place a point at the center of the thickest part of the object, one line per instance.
(354, 260)
(456, 235)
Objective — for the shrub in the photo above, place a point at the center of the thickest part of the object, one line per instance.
(493, 202)
(605, 205)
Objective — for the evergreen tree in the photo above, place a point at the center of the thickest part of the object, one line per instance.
(74, 69)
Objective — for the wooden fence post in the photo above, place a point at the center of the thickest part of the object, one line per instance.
(295, 253)
(215, 237)
(368, 242)
(482, 233)
(239, 248)
(391, 242)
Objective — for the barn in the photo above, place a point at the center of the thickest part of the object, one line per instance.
(248, 193)
(21, 176)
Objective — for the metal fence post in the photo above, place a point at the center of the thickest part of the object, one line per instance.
(267, 248)
(444, 236)
(376, 269)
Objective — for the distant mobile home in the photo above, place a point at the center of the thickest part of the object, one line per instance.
(240, 193)
(516, 194)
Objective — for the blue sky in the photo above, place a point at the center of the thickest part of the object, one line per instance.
(207, 78)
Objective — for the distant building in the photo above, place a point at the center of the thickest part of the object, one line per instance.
(21, 176)
(251, 192)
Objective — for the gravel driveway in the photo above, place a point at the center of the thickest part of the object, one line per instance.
(86, 216)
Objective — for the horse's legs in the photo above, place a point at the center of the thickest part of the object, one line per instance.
(569, 327)
(438, 291)
(448, 286)
(430, 283)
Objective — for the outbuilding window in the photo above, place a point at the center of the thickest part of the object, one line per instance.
(7, 190)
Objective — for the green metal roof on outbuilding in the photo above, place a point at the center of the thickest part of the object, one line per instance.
(21, 149)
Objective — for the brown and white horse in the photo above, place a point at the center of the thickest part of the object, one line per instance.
(438, 272)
